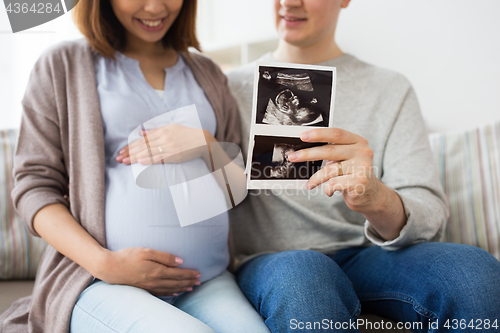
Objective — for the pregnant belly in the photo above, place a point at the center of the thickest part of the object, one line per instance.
(138, 217)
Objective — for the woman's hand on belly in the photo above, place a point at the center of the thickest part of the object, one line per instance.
(152, 270)
(172, 143)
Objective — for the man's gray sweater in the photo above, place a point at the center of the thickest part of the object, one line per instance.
(379, 105)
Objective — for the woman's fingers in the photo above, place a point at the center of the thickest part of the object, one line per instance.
(166, 278)
(146, 159)
(169, 289)
(130, 150)
(123, 153)
(136, 144)
(161, 291)
(164, 292)
(149, 155)
(175, 280)
(179, 274)
(146, 150)
(144, 142)
(176, 284)
(165, 258)
(168, 262)
(153, 134)
(138, 148)
(156, 142)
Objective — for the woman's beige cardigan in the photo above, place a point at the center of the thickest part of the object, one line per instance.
(61, 140)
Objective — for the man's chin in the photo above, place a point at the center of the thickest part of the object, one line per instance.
(295, 39)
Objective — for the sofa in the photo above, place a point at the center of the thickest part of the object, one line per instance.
(469, 168)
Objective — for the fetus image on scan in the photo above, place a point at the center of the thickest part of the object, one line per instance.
(292, 100)
(281, 163)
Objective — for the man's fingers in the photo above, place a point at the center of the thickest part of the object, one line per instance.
(325, 152)
(331, 135)
(324, 174)
(344, 183)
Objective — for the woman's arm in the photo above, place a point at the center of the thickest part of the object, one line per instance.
(56, 225)
(41, 182)
(141, 267)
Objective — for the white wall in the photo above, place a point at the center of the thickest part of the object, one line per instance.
(449, 49)
(18, 54)
(223, 23)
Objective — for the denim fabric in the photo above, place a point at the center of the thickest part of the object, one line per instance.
(217, 305)
(429, 283)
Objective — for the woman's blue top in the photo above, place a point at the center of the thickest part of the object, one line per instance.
(142, 217)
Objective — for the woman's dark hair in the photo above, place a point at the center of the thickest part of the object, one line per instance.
(98, 23)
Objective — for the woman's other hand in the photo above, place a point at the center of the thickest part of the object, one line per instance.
(152, 270)
(167, 144)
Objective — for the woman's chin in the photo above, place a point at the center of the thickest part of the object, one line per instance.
(152, 39)
(148, 37)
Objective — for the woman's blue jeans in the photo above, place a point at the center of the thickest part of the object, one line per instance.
(217, 305)
(435, 287)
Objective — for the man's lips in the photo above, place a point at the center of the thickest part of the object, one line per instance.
(292, 18)
(292, 21)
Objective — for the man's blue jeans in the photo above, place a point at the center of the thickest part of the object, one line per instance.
(440, 285)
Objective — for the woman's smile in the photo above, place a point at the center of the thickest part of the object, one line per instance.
(146, 21)
(151, 25)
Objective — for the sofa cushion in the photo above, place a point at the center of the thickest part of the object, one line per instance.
(12, 291)
(19, 251)
(469, 168)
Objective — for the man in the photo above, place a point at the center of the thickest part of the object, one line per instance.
(314, 257)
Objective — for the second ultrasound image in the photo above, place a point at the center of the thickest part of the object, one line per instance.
(270, 159)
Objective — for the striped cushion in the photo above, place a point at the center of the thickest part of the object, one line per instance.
(469, 167)
(19, 251)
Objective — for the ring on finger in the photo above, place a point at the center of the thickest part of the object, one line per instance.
(339, 166)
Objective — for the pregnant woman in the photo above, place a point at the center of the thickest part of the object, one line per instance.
(118, 259)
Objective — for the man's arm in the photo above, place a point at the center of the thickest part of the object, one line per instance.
(407, 205)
